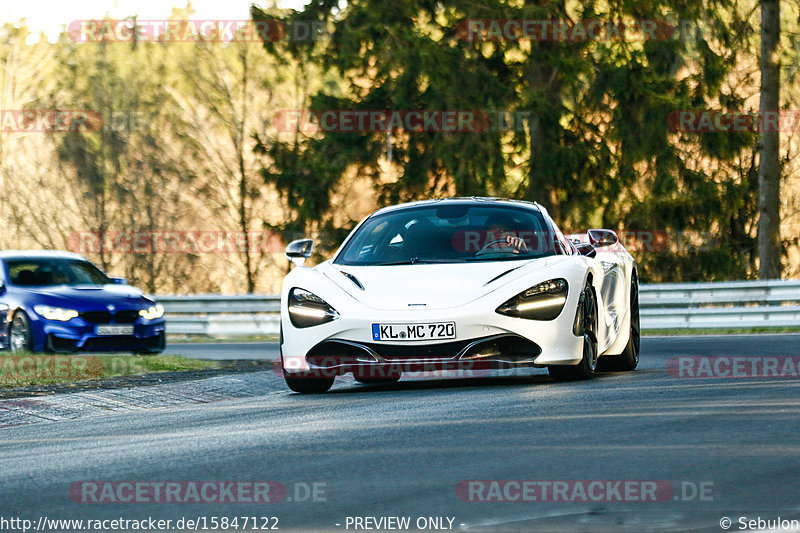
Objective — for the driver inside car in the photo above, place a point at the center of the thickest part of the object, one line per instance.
(499, 234)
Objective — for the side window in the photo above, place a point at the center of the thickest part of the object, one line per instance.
(22, 273)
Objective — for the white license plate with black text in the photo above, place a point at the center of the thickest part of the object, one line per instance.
(113, 329)
(414, 332)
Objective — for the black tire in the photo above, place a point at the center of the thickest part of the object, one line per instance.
(629, 358)
(586, 368)
(307, 383)
(304, 382)
(20, 335)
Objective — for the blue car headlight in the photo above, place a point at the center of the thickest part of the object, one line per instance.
(55, 313)
(152, 312)
(306, 309)
(543, 301)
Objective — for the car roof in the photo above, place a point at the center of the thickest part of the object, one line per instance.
(39, 254)
(462, 200)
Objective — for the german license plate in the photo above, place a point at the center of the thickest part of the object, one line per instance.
(414, 332)
(112, 329)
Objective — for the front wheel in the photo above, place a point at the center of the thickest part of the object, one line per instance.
(20, 335)
(307, 383)
(586, 368)
(304, 382)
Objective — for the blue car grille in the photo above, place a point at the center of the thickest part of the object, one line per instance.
(126, 317)
(107, 317)
(97, 317)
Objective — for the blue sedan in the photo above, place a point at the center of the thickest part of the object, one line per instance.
(60, 302)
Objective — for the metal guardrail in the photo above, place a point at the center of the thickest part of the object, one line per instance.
(733, 304)
(216, 315)
(736, 304)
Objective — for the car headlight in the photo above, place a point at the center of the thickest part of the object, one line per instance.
(541, 302)
(55, 313)
(152, 312)
(306, 309)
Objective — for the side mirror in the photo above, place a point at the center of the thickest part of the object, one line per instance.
(586, 249)
(2, 287)
(298, 251)
(602, 237)
(119, 281)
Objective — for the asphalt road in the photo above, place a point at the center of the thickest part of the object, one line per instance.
(714, 448)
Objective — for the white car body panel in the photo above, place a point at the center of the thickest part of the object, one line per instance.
(464, 294)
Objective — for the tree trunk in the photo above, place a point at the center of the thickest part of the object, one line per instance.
(535, 181)
(239, 141)
(544, 87)
(769, 169)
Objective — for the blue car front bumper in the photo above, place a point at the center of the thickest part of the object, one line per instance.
(77, 335)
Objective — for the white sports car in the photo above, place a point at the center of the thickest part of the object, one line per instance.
(461, 283)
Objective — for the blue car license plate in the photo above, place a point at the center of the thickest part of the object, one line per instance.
(114, 329)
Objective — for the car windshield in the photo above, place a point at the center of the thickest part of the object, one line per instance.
(43, 272)
(450, 233)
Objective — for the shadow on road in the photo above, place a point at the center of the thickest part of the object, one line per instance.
(461, 383)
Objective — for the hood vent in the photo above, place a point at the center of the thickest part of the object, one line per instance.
(353, 279)
(500, 276)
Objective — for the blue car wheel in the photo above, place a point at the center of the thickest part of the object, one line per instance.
(20, 337)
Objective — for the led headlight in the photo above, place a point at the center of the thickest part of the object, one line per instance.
(306, 309)
(152, 312)
(541, 302)
(55, 313)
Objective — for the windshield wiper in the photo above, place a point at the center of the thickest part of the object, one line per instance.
(511, 257)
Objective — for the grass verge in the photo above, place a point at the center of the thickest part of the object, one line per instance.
(686, 332)
(203, 339)
(24, 370)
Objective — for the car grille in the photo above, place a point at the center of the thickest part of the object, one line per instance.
(96, 317)
(393, 352)
(126, 317)
(106, 317)
(335, 352)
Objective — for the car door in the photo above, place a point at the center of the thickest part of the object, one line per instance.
(609, 282)
(4, 305)
(616, 264)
